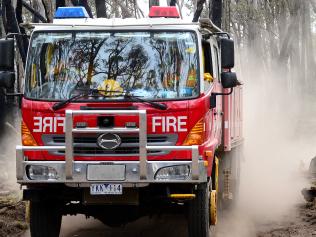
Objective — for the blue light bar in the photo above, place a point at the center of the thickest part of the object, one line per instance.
(71, 12)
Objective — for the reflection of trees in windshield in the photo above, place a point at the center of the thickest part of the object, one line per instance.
(153, 65)
(83, 54)
(122, 62)
(169, 63)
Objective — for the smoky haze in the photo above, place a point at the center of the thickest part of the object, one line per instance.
(9, 138)
(280, 137)
(275, 45)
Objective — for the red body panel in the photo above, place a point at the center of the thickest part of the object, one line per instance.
(193, 110)
(232, 119)
(41, 119)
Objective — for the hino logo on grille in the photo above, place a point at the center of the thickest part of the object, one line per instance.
(109, 141)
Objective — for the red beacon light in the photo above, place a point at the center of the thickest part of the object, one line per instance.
(168, 12)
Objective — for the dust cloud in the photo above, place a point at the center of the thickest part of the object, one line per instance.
(9, 138)
(280, 137)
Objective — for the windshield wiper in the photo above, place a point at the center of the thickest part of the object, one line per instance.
(89, 92)
(61, 104)
(152, 103)
(96, 92)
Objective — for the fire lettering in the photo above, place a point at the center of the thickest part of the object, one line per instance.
(170, 124)
(48, 124)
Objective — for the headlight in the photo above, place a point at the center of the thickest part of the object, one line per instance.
(176, 172)
(40, 172)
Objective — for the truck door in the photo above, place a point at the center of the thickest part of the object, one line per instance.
(217, 89)
(211, 65)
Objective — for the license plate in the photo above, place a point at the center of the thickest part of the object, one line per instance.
(106, 172)
(106, 189)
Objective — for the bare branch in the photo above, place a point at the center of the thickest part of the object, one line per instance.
(313, 4)
(139, 10)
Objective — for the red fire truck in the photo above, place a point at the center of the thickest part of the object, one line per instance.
(123, 118)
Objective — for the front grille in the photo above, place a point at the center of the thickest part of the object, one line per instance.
(124, 139)
(99, 151)
(86, 144)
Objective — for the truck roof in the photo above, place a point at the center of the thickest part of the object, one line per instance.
(127, 23)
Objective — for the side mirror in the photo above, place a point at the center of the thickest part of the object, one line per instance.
(229, 79)
(7, 74)
(227, 53)
(7, 79)
(7, 54)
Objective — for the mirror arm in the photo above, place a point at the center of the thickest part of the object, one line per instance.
(229, 93)
(15, 34)
(19, 94)
(213, 97)
(208, 35)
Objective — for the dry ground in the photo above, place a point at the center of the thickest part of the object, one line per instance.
(12, 213)
(300, 222)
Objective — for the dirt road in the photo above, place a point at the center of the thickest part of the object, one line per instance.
(300, 222)
(166, 226)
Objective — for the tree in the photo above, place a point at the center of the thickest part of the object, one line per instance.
(39, 7)
(101, 8)
(216, 12)
(199, 9)
(153, 3)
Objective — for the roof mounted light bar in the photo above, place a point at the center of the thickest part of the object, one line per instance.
(168, 12)
(71, 12)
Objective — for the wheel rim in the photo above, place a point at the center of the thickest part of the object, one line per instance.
(213, 196)
(213, 207)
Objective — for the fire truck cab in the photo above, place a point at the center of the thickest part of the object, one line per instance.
(123, 118)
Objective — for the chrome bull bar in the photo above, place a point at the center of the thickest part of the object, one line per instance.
(69, 145)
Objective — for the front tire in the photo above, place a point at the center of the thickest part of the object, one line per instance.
(199, 212)
(45, 219)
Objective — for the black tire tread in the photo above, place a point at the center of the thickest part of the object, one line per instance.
(198, 219)
(45, 219)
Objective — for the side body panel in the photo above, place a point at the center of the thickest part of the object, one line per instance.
(232, 124)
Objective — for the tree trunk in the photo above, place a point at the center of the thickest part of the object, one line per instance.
(18, 13)
(101, 8)
(49, 6)
(172, 2)
(68, 3)
(252, 29)
(199, 9)
(310, 60)
(226, 16)
(83, 3)
(125, 11)
(13, 27)
(2, 31)
(216, 12)
(39, 7)
(153, 3)
(60, 3)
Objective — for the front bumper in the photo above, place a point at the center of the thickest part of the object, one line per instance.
(137, 173)
(132, 178)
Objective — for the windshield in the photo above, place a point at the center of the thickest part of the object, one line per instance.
(152, 65)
